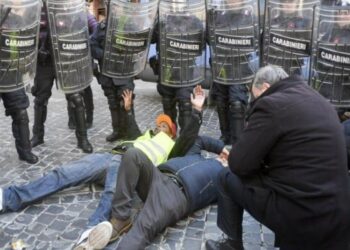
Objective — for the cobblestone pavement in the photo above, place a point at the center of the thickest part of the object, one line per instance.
(57, 221)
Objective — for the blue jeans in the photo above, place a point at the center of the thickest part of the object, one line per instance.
(91, 168)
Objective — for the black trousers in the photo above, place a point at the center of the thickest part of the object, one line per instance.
(14, 101)
(164, 202)
(236, 194)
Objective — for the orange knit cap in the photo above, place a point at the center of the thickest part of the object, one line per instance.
(165, 118)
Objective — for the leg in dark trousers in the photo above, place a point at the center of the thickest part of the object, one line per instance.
(16, 104)
(169, 107)
(238, 99)
(236, 194)
(20, 130)
(164, 206)
(135, 173)
(220, 93)
(89, 106)
(41, 91)
(76, 102)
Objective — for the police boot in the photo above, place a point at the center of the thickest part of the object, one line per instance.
(40, 113)
(185, 113)
(76, 101)
(89, 107)
(71, 118)
(115, 122)
(20, 130)
(224, 123)
(237, 112)
(89, 118)
(169, 108)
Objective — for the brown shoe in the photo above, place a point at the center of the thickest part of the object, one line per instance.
(119, 227)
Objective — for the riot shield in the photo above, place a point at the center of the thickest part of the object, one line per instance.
(288, 35)
(69, 37)
(19, 29)
(128, 35)
(182, 45)
(331, 64)
(234, 40)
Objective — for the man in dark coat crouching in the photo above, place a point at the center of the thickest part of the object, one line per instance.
(288, 169)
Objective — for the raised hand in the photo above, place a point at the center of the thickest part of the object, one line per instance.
(198, 98)
(127, 97)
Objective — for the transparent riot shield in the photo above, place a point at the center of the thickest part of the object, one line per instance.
(288, 35)
(182, 45)
(233, 28)
(331, 64)
(19, 29)
(69, 37)
(128, 36)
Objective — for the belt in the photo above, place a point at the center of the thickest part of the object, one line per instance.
(176, 181)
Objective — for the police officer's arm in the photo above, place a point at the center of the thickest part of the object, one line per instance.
(96, 41)
(190, 131)
(133, 130)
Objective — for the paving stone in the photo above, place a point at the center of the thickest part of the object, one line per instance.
(24, 219)
(84, 197)
(5, 239)
(51, 200)
(49, 235)
(35, 228)
(194, 233)
(46, 219)
(58, 225)
(71, 234)
(34, 210)
(67, 198)
(14, 228)
(197, 224)
(54, 209)
(174, 234)
(79, 223)
(192, 244)
(7, 217)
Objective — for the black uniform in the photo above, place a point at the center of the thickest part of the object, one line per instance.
(112, 87)
(41, 90)
(231, 98)
(16, 103)
(172, 95)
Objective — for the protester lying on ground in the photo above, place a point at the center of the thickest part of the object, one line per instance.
(170, 191)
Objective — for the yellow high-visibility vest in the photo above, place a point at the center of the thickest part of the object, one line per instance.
(157, 149)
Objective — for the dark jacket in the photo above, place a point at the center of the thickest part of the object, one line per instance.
(197, 174)
(294, 142)
(346, 125)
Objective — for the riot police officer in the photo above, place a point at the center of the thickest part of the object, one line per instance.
(42, 91)
(18, 32)
(332, 56)
(288, 35)
(87, 92)
(180, 60)
(120, 44)
(233, 35)
(112, 87)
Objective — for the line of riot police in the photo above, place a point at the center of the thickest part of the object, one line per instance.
(304, 37)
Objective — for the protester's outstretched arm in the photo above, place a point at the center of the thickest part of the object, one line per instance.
(190, 132)
(133, 130)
